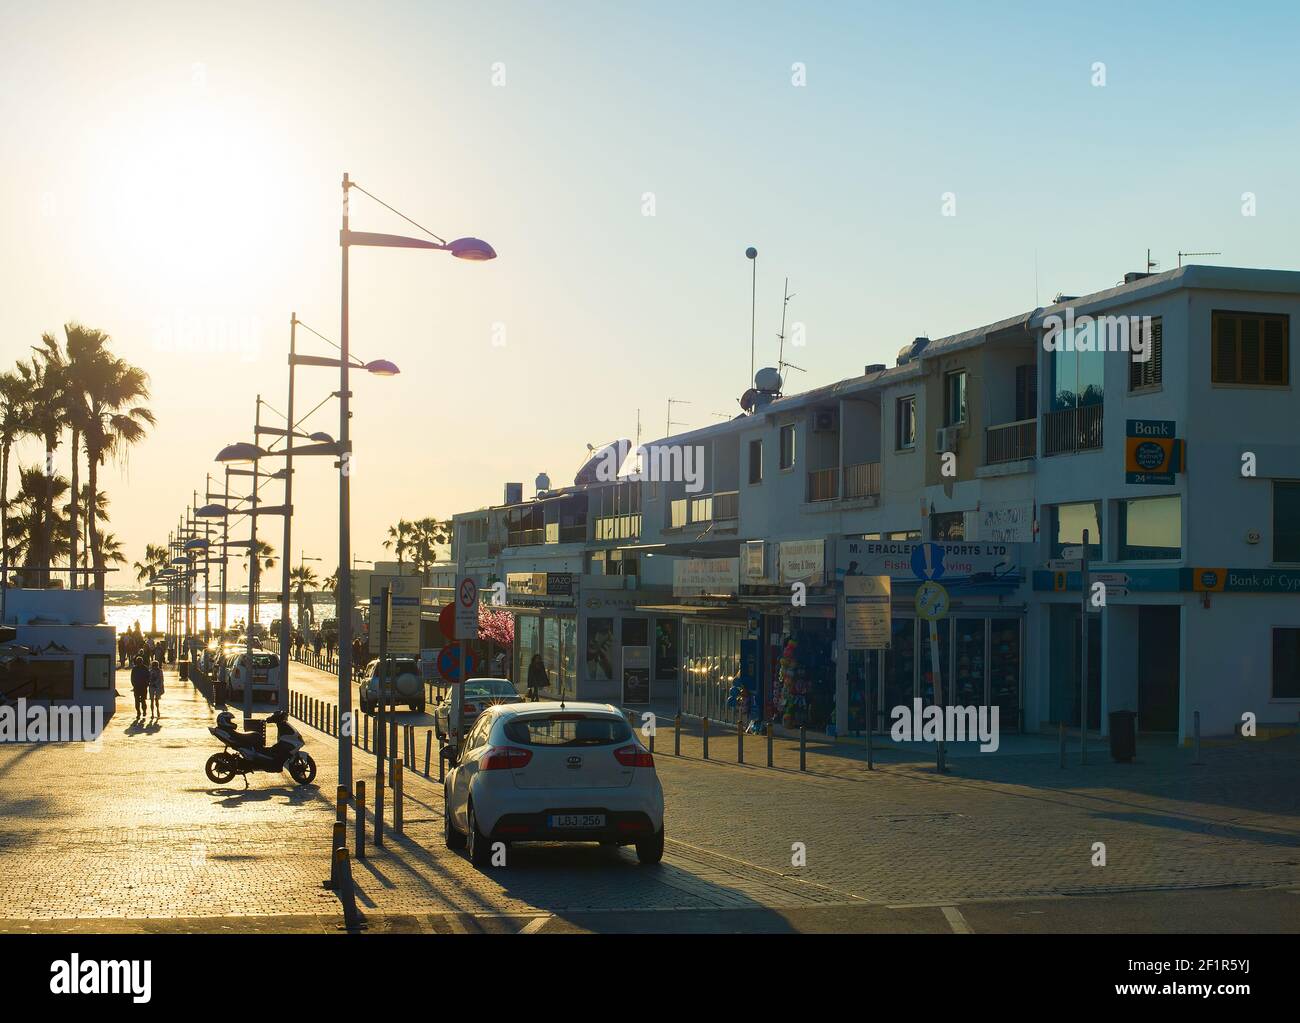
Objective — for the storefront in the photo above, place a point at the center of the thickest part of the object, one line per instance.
(544, 605)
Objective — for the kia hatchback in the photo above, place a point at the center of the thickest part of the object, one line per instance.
(553, 772)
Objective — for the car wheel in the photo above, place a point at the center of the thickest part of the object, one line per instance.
(651, 850)
(453, 838)
(479, 850)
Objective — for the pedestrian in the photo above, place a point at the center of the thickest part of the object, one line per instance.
(537, 677)
(121, 651)
(315, 642)
(140, 686)
(155, 687)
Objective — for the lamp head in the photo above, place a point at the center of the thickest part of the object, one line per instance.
(241, 452)
(471, 248)
(382, 368)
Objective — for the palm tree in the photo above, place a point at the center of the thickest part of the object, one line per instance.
(427, 535)
(34, 536)
(302, 579)
(43, 379)
(399, 540)
(113, 421)
(14, 422)
(156, 559)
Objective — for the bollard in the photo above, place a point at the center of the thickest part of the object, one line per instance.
(871, 751)
(365, 724)
(803, 747)
(397, 797)
(428, 750)
(442, 762)
(769, 743)
(340, 839)
(706, 738)
(1196, 738)
(653, 728)
(342, 870)
(341, 805)
(740, 741)
(336, 720)
(677, 736)
(1060, 739)
(361, 820)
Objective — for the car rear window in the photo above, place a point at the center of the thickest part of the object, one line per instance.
(265, 661)
(568, 730)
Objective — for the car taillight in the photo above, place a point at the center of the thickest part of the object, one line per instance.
(633, 756)
(504, 758)
(469, 708)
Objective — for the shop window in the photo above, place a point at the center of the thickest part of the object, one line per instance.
(1068, 523)
(954, 398)
(787, 446)
(568, 655)
(551, 652)
(666, 637)
(636, 632)
(1250, 349)
(905, 423)
(1004, 671)
(1286, 521)
(756, 461)
(1286, 664)
(948, 526)
(926, 665)
(600, 649)
(900, 668)
(968, 666)
(1151, 528)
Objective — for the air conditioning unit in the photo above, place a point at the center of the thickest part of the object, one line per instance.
(945, 439)
(824, 420)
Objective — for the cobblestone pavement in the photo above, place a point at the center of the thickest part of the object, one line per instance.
(136, 830)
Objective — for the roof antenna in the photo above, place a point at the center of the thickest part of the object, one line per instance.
(780, 358)
(1182, 254)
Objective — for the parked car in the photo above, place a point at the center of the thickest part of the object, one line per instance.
(475, 695)
(404, 685)
(553, 772)
(265, 676)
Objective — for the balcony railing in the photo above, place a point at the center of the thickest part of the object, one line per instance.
(824, 484)
(861, 480)
(1072, 429)
(719, 507)
(1011, 442)
(525, 537)
(618, 527)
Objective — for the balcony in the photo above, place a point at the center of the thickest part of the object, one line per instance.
(823, 484)
(1011, 442)
(1072, 429)
(525, 537)
(720, 507)
(860, 480)
(618, 527)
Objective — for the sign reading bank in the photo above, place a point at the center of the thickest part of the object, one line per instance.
(1152, 454)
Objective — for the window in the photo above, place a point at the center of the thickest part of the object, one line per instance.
(1026, 392)
(948, 526)
(905, 423)
(1151, 527)
(1147, 371)
(954, 398)
(1077, 368)
(636, 632)
(1250, 348)
(1286, 664)
(756, 461)
(906, 534)
(1286, 520)
(787, 446)
(1068, 523)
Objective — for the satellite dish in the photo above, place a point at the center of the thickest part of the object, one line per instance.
(615, 452)
(768, 379)
(749, 399)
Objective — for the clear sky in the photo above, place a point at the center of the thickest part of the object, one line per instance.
(172, 175)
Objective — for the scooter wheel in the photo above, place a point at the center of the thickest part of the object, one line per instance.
(219, 768)
(302, 768)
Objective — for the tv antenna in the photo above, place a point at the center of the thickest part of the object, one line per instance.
(1182, 254)
(781, 364)
(671, 421)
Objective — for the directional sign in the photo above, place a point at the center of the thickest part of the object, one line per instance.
(932, 601)
(449, 662)
(1071, 553)
(466, 607)
(1064, 565)
(1116, 591)
(927, 561)
(1113, 580)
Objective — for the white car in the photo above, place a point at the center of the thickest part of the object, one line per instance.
(266, 676)
(553, 772)
(474, 694)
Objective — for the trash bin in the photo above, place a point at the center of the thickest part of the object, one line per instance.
(1123, 735)
(183, 666)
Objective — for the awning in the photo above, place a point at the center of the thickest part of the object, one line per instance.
(712, 610)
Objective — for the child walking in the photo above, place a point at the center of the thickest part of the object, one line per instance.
(155, 687)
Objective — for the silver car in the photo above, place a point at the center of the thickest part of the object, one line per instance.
(476, 695)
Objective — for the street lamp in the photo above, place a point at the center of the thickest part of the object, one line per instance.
(462, 248)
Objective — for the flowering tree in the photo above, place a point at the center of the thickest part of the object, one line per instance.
(496, 626)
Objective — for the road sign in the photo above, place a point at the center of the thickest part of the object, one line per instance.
(1064, 565)
(1116, 591)
(466, 607)
(449, 662)
(403, 612)
(1071, 553)
(932, 601)
(447, 622)
(927, 561)
(1113, 580)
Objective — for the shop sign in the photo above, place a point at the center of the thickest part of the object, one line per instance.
(403, 611)
(1004, 523)
(754, 565)
(1244, 580)
(866, 612)
(894, 558)
(803, 561)
(636, 674)
(1152, 454)
(696, 577)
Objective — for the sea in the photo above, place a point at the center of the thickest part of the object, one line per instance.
(124, 609)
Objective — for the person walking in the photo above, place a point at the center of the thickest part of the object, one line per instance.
(537, 677)
(140, 686)
(155, 687)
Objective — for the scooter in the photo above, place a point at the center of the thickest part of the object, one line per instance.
(245, 753)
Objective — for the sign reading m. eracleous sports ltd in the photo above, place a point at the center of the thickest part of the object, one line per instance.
(900, 559)
(403, 613)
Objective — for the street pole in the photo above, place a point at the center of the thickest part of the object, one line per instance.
(225, 553)
(345, 525)
(254, 563)
(1083, 632)
(381, 736)
(938, 691)
(288, 525)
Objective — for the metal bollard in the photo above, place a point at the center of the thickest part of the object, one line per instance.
(365, 724)
(677, 736)
(341, 805)
(1196, 738)
(1061, 741)
(428, 750)
(442, 763)
(653, 729)
(397, 797)
(769, 743)
(340, 838)
(740, 741)
(803, 747)
(336, 720)
(871, 749)
(361, 820)
(706, 738)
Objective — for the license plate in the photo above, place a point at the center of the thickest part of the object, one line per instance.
(576, 820)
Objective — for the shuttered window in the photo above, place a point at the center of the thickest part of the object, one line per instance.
(1149, 371)
(1250, 348)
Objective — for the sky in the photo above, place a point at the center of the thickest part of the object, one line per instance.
(172, 177)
